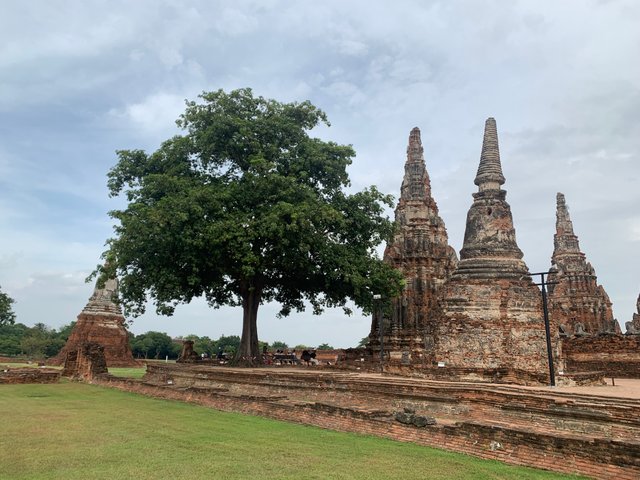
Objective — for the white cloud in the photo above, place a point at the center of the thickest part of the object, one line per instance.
(634, 229)
(154, 114)
(235, 22)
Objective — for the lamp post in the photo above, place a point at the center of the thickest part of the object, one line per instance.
(547, 329)
(376, 309)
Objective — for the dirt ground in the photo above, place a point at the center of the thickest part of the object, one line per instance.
(624, 387)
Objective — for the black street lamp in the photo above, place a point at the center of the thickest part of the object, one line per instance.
(547, 328)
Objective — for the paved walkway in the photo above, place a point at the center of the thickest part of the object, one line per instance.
(624, 387)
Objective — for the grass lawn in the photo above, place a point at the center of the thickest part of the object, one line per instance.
(80, 431)
(129, 372)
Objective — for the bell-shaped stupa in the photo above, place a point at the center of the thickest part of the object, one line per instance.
(489, 321)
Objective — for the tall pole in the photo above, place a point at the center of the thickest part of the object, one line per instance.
(547, 328)
(376, 301)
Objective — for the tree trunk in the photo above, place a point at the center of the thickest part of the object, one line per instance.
(248, 353)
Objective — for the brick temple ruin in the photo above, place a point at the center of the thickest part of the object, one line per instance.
(481, 317)
(421, 250)
(100, 322)
(489, 312)
(633, 326)
(578, 305)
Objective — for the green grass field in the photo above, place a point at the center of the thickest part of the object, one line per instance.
(79, 431)
(136, 372)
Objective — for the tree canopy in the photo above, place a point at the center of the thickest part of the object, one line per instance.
(246, 208)
(36, 342)
(6, 312)
(154, 345)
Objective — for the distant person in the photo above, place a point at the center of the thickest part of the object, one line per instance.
(306, 356)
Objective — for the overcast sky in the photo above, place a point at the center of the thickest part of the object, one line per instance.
(81, 79)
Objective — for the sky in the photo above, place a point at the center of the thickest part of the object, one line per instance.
(82, 79)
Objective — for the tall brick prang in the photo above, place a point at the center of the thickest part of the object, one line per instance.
(420, 249)
(489, 314)
(101, 322)
(578, 305)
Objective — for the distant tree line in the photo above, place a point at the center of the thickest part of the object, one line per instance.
(39, 341)
(159, 345)
(42, 341)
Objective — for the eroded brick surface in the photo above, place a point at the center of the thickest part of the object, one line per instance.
(10, 375)
(614, 355)
(86, 362)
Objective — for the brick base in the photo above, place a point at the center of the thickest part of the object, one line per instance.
(570, 433)
(29, 375)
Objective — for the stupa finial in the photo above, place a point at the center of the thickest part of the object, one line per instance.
(415, 184)
(489, 176)
(565, 240)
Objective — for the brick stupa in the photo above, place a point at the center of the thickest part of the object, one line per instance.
(633, 327)
(420, 250)
(489, 321)
(101, 322)
(578, 305)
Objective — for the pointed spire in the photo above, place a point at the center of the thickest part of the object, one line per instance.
(565, 241)
(577, 301)
(415, 184)
(415, 150)
(489, 176)
(564, 226)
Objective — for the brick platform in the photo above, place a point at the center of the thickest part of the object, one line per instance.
(590, 434)
(615, 355)
(29, 375)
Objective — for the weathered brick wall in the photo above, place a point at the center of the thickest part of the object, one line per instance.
(86, 362)
(546, 429)
(616, 355)
(595, 457)
(29, 375)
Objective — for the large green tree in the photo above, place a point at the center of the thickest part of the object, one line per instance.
(245, 208)
(6, 312)
(154, 345)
